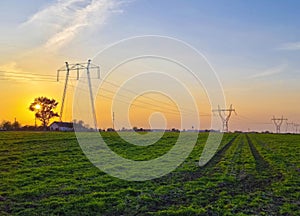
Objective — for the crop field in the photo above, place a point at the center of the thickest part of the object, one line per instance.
(251, 174)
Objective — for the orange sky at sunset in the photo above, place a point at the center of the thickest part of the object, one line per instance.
(256, 57)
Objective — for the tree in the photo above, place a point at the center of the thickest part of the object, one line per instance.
(43, 108)
(6, 125)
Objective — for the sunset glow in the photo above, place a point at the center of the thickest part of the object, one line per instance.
(255, 54)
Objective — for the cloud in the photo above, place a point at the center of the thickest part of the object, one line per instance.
(10, 66)
(290, 46)
(60, 22)
(269, 72)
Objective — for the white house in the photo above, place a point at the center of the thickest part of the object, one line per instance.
(61, 126)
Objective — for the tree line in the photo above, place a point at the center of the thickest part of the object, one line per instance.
(16, 126)
(8, 126)
(43, 109)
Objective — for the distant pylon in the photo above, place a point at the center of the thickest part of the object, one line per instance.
(296, 127)
(278, 122)
(225, 118)
(287, 126)
(77, 67)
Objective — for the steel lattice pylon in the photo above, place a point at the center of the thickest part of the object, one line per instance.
(288, 124)
(77, 67)
(296, 127)
(278, 122)
(225, 118)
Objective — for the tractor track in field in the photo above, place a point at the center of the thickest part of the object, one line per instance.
(265, 172)
(263, 167)
(219, 155)
(261, 164)
(204, 170)
(266, 147)
(246, 182)
(236, 157)
(178, 194)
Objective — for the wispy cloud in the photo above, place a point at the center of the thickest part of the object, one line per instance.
(269, 72)
(290, 46)
(60, 22)
(10, 66)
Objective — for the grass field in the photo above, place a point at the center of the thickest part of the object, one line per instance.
(47, 174)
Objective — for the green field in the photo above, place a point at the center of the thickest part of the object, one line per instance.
(47, 174)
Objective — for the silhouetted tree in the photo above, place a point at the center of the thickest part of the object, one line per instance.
(6, 125)
(43, 108)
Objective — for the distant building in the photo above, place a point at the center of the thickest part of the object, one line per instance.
(61, 126)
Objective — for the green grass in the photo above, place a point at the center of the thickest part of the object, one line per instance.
(47, 174)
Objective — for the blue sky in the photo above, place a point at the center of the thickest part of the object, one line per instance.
(241, 33)
(249, 29)
(254, 46)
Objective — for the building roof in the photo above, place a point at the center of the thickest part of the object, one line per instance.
(63, 124)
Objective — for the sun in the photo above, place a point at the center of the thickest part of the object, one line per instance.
(37, 106)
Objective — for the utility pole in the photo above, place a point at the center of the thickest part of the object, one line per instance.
(113, 120)
(289, 124)
(278, 122)
(225, 118)
(78, 67)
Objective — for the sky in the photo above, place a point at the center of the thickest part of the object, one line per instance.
(253, 46)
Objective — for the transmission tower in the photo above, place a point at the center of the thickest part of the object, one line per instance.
(288, 124)
(78, 67)
(278, 122)
(225, 117)
(296, 127)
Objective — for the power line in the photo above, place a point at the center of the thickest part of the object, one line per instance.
(22, 80)
(25, 74)
(250, 121)
(16, 76)
(138, 105)
(135, 93)
(79, 66)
